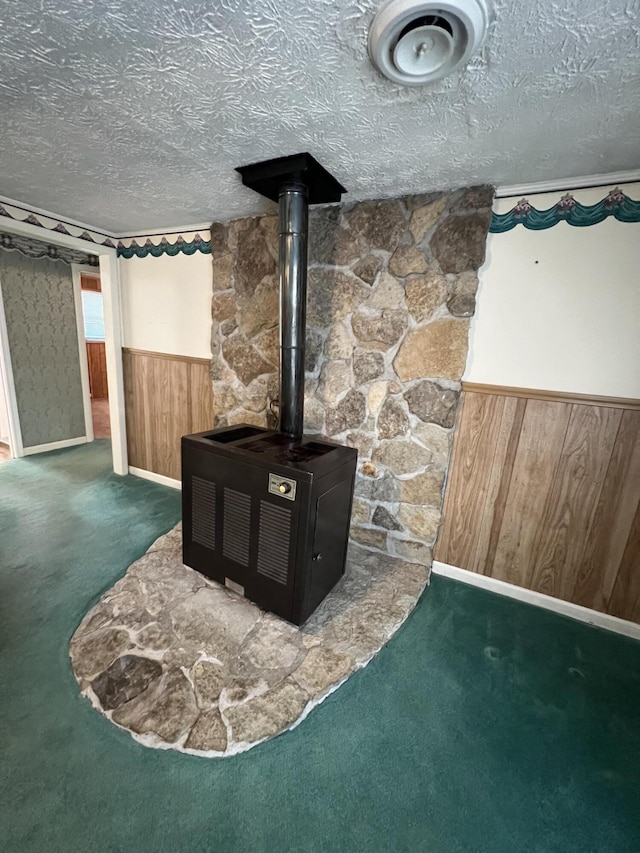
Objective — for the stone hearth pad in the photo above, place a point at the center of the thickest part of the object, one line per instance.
(183, 663)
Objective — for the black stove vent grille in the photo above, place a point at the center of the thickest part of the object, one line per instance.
(203, 519)
(237, 526)
(273, 542)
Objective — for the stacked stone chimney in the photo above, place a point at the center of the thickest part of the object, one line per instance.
(390, 295)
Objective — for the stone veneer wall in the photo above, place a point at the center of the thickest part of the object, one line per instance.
(391, 289)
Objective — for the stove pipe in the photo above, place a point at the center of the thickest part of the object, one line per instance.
(293, 230)
(294, 182)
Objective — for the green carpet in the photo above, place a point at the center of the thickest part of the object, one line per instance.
(484, 725)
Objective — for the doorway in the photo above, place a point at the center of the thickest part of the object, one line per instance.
(92, 307)
(110, 288)
(8, 412)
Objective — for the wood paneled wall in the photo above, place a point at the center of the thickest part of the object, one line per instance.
(91, 281)
(544, 492)
(166, 397)
(97, 370)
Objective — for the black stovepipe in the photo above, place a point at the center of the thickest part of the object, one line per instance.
(293, 229)
(295, 182)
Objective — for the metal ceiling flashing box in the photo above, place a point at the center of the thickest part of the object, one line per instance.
(267, 513)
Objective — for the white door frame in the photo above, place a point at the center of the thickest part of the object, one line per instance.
(76, 271)
(6, 378)
(110, 283)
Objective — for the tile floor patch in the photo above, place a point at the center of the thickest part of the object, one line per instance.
(183, 663)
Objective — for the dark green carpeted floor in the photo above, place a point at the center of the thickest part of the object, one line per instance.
(485, 725)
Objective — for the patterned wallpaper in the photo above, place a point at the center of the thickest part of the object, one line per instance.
(41, 328)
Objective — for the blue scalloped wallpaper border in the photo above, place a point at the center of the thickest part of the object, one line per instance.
(164, 247)
(133, 250)
(616, 204)
(37, 249)
(59, 227)
(567, 209)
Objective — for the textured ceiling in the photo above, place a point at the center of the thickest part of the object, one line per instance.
(130, 115)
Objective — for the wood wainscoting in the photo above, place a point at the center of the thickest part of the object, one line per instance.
(544, 492)
(166, 397)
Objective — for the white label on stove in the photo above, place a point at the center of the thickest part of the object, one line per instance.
(282, 486)
(234, 587)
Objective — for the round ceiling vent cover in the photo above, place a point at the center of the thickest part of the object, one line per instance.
(414, 42)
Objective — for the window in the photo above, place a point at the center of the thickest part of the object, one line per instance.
(93, 314)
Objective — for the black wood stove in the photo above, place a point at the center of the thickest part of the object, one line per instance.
(267, 512)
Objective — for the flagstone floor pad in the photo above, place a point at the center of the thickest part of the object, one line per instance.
(184, 663)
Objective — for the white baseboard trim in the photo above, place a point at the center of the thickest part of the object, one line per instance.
(566, 608)
(155, 478)
(54, 445)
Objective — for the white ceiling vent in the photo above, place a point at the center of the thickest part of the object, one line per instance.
(414, 42)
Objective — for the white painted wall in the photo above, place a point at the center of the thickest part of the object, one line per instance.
(166, 303)
(559, 309)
